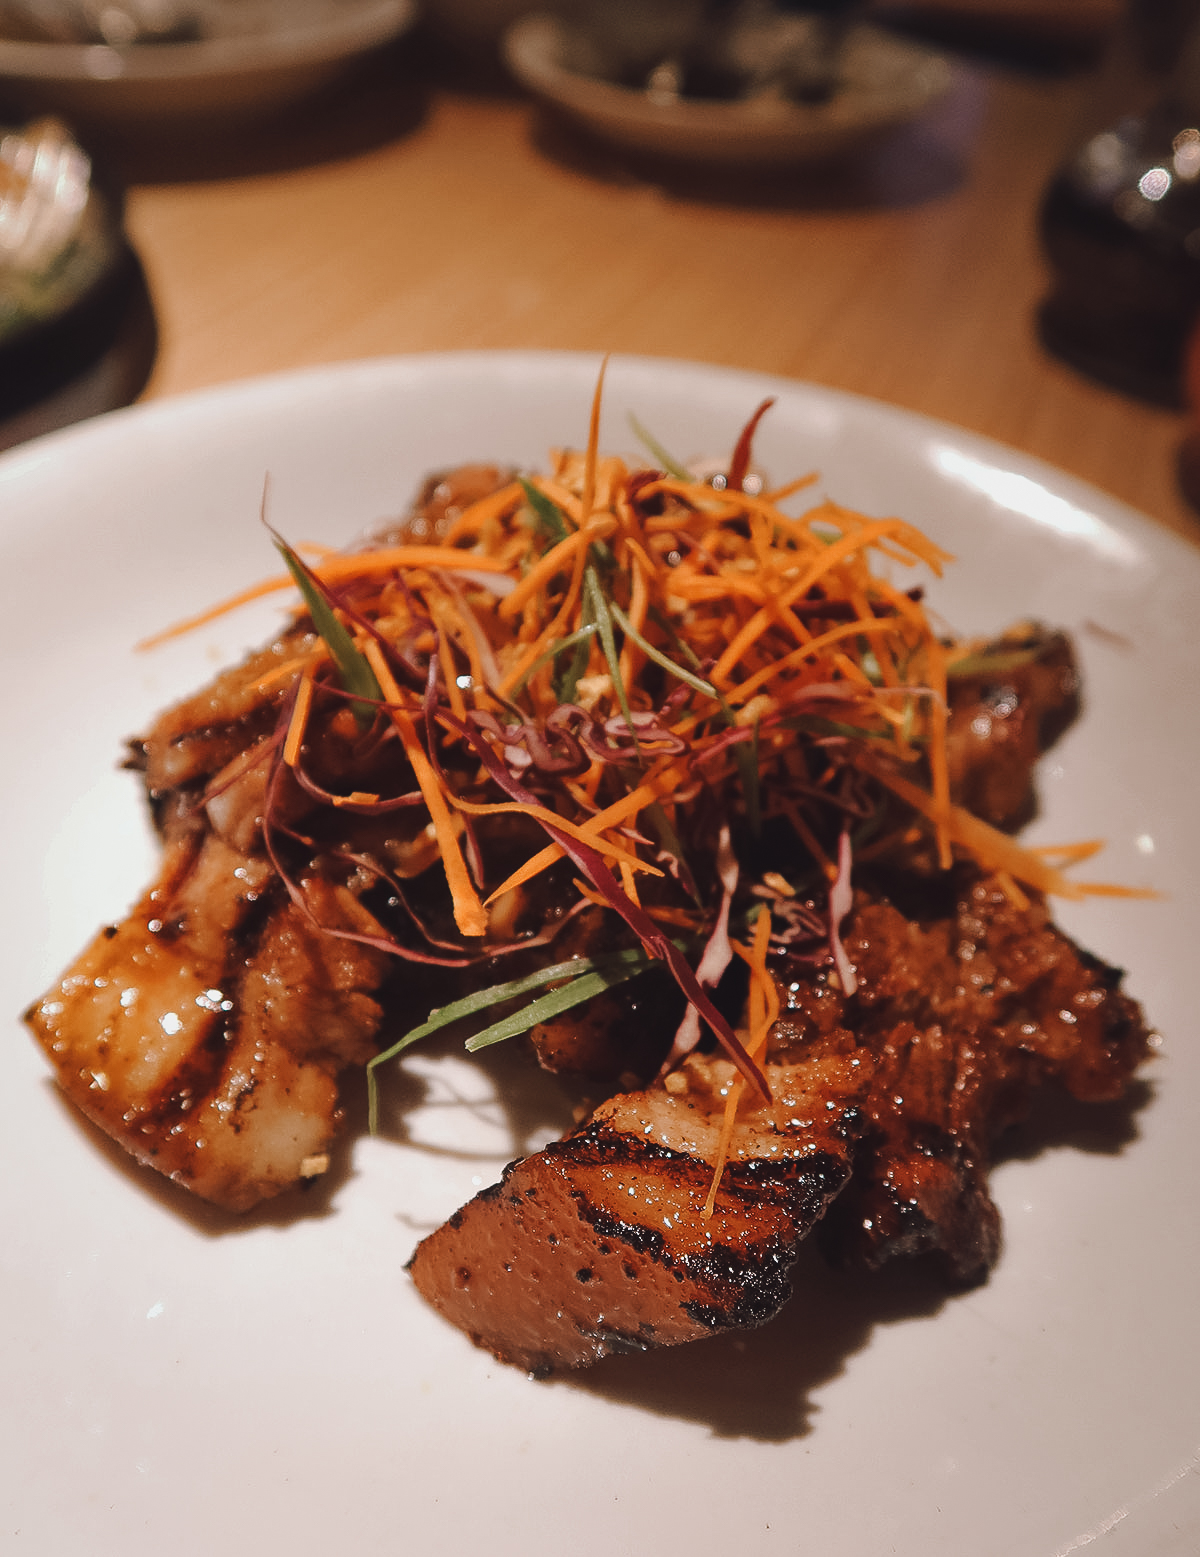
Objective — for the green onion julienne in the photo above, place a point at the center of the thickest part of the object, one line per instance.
(587, 976)
(355, 673)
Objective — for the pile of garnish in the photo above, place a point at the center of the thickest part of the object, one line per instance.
(668, 675)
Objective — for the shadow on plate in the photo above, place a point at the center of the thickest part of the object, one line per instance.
(753, 1384)
(381, 99)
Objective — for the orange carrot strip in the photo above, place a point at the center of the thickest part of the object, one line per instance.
(554, 562)
(561, 496)
(441, 610)
(612, 816)
(299, 721)
(223, 608)
(386, 559)
(778, 494)
(1068, 853)
(840, 551)
(309, 661)
(356, 797)
(690, 585)
(557, 627)
(1012, 891)
(586, 890)
(544, 814)
(477, 514)
(996, 850)
(763, 1014)
(334, 569)
(469, 914)
(872, 628)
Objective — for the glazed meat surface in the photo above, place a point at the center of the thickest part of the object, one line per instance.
(600, 1243)
(1008, 703)
(885, 1109)
(305, 914)
(205, 1031)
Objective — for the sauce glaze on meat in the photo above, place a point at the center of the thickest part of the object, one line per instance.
(206, 1033)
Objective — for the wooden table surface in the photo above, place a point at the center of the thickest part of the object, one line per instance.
(396, 216)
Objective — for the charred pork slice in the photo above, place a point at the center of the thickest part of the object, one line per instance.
(1009, 703)
(600, 1243)
(204, 1033)
(966, 1011)
(889, 1100)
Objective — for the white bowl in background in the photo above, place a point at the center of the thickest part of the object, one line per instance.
(885, 81)
(255, 54)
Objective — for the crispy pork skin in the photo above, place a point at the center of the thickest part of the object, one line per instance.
(600, 1243)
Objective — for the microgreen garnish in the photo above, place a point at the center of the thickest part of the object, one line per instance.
(659, 658)
(604, 973)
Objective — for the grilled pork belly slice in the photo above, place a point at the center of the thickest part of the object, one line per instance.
(966, 1009)
(204, 1033)
(1003, 715)
(890, 1100)
(600, 1243)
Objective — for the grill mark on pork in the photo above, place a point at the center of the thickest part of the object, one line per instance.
(599, 1243)
(886, 1107)
(209, 1047)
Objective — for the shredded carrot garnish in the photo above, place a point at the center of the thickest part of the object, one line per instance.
(553, 563)
(541, 813)
(299, 720)
(996, 851)
(763, 1013)
(626, 670)
(484, 511)
(469, 913)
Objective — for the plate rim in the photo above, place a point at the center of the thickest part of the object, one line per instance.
(220, 402)
(256, 388)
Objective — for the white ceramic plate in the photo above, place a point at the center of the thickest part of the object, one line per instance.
(176, 1381)
(254, 55)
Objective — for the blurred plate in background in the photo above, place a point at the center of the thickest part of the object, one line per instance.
(883, 81)
(251, 55)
